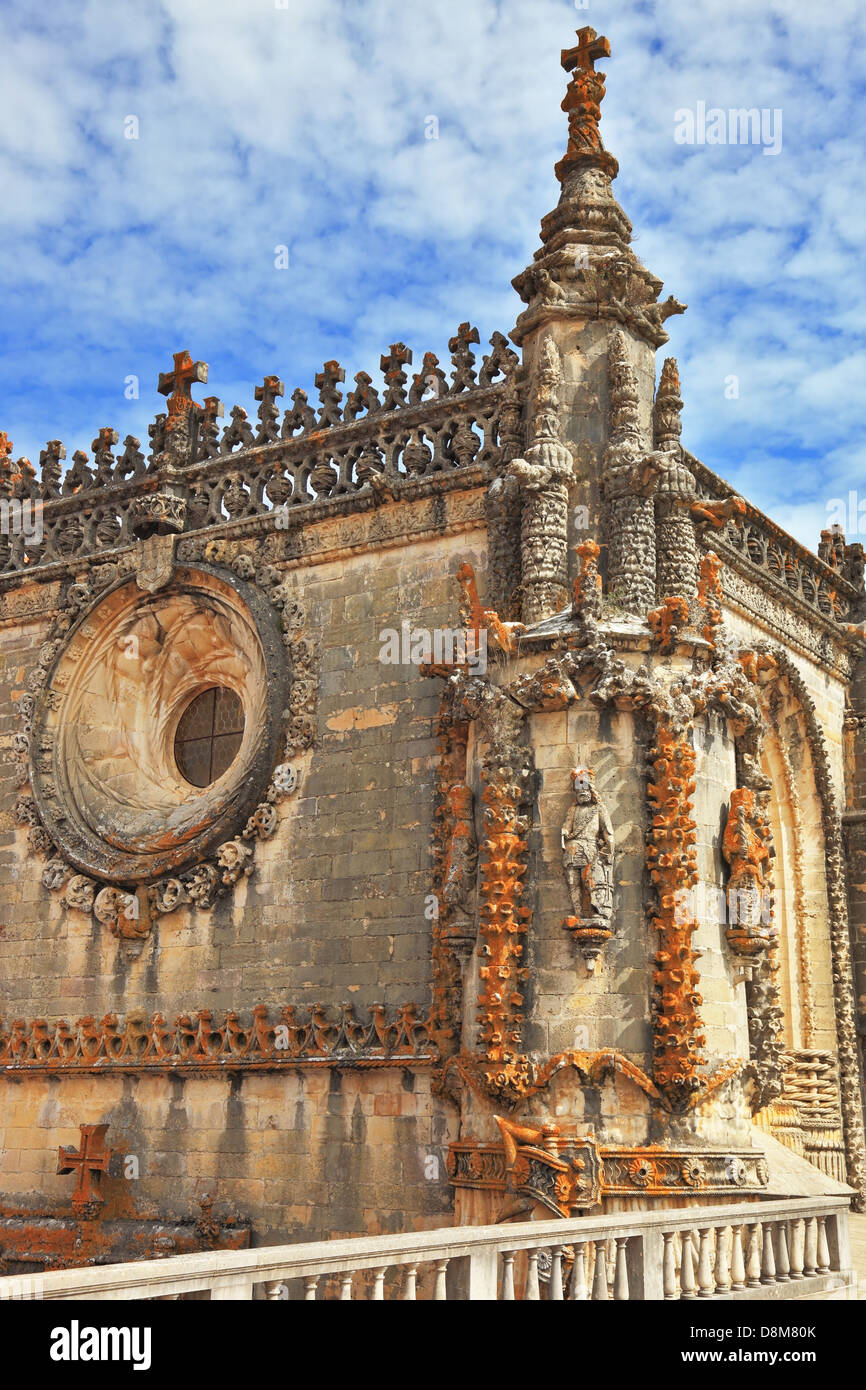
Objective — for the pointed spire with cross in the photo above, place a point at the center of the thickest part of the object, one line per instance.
(90, 1160)
(583, 104)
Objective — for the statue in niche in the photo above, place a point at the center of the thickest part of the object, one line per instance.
(461, 862)
(587, 858)
(745, 847)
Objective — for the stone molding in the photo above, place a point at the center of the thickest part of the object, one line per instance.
(197, 1044)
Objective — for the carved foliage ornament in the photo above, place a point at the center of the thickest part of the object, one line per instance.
(126, 835)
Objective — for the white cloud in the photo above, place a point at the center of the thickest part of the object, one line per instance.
(305, 127)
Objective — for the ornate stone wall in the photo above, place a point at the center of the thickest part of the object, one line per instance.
(453, 891)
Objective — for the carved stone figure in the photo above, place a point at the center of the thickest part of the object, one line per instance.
(587, 858)
(745, 849)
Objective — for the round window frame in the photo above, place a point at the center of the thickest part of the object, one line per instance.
(95, 855)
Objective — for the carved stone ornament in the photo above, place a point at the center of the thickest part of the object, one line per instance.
(155, 567)
(587, 858)
(744, 847)
(127, 835)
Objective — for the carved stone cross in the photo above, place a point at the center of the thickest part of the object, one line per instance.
(176, 383)
(208, 441)
(330, 394)
(391, 365)
(90, 1161)
(268, 412)
(588, 51)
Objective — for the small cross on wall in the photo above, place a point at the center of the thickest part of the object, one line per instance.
(90, 1160)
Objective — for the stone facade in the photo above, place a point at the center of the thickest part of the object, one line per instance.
(355, 982)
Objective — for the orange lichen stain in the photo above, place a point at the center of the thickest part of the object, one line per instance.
(710, 595)
(672, 863)
(360, 718)
(667, 621)
(479, 619)
(719, 513)
(587, 588)
(503, 922)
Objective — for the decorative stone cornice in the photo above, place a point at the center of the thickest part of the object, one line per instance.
(202, 1045)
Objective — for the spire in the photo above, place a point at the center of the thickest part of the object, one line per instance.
(667, 422)
(585, 267)
(582, 102)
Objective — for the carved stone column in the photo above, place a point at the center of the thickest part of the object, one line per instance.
(543, 479)
(676, 540)
(629, 478)
(503, 508)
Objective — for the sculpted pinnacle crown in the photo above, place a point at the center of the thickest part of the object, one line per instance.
(582, 102)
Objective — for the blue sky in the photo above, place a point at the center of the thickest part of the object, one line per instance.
(304, 126)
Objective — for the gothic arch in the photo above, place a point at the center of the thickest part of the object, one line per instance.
(783, 674)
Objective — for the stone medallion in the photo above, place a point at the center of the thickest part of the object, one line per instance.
(132, 691)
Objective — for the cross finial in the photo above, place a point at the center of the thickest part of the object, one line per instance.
(588, 51)
(91, 1160)
(176, 383)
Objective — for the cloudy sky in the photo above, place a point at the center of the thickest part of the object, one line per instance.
(303, 123)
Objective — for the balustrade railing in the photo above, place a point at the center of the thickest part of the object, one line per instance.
(756, 539)
(363, 446)
(778, 1249)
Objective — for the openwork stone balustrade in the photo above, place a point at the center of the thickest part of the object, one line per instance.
(779, 1249)
(756, 542)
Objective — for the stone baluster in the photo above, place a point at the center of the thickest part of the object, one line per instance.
(798, 1237)
(768, 1258)
(533, 1292)
(620, 1280)
(810, 1246)
(783, 1264)
(687, 1267)
(311, 1284)
(599, 1277)
(823, 1248)
(721, 1274)
(408, 1294)
(577, 1290)
(738, 1265)
(274, 1291)
(555, 1293)
(378, 1294)
(669, 1265)
(753, 1258)
(440, 1289)
(706, 1288)
(508, 1276)
(346, 1287)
